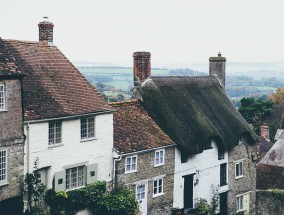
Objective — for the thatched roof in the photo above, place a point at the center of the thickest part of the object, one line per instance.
(193, 110)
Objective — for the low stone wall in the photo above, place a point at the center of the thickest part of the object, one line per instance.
(270, 202)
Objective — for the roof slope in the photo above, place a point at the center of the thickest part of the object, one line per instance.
(7, 64)
(275, 156)
(191, 110)
(53, 86)
(135, 130)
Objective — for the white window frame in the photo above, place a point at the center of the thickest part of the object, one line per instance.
(3, 167)
(140, 193)
(159, 160)
(2, 97)
(131, 163)
(70, 183)
(157, 183)
(240, 203)
(239, 172)
(54, 141)
(90, 128)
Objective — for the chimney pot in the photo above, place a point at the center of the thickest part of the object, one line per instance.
(141, 67)
(45, 31)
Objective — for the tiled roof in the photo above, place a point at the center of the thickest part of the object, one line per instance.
(275, 156)
(135, 130)
(192, 110)
(53, 86)
(269, 177)
(263, 146)
(7, 64)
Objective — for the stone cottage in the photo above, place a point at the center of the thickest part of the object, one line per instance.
(145, 157)
(215, 144)
(68, 125)
(11, 134)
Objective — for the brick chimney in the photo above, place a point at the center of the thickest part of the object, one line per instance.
(217, 67)
(264, 132)
(45, 31)
(141, 67)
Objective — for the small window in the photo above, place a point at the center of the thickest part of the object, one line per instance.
(158, 187)
(131, 164)
(159, 157)
(140, 192)
(75, 177)
(54, 133)
(3, 166)
(2, 97)
(240, 203)
(87, 128)
(221, 155)
(183, 158)
(239, 169)
(223, 174)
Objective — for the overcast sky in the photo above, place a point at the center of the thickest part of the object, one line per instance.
(176, 32)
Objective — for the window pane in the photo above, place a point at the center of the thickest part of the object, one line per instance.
(2, 98)
(3, 165)
(75, 177)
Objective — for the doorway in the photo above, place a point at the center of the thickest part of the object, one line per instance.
(188, 191)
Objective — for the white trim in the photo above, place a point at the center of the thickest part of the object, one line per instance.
(158, 193)
(4, 98)
(136, 163)
(155, 158)
(4, 182)
(242, 172)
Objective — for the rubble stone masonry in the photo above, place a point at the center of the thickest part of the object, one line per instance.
(12, 139)
(146, 171)
(246, 184)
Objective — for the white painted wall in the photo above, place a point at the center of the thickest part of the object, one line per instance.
(206, 167)
(72, 150)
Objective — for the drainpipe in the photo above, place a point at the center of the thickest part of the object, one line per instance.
(115, 159)
(28, 147)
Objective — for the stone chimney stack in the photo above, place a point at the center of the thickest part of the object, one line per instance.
(141, 67)
(264, 132)
(217, 67)
(45, 31)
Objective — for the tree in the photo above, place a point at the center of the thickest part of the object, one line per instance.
(277, 97)
(255, 111)
(34, 189)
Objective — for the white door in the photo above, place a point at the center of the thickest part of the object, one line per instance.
(141, 196)
(246, 203)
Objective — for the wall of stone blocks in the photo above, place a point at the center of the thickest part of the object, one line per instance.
(11, 119)
(247, 184)
(146, 170)
(12, 139)
(269, 203)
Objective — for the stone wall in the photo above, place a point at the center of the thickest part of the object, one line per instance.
(146, 171)
(11, 138)
(269, 203)
(246, 184)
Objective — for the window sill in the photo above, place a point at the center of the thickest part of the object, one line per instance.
(3, 183)
(157, 165)
(130, 172)
(55, 145)
(238, 177)
(3, 110)
(88, 139)
(158, 195)
(75, 188)
(221, 185)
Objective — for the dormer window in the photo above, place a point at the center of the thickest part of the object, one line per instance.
(2, 97)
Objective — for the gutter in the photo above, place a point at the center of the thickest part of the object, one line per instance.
(68, 117)
(28, 148)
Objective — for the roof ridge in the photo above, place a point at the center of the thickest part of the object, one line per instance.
(125, 102)
(21, 41)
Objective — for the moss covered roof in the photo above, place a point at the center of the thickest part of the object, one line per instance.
(193, 110)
